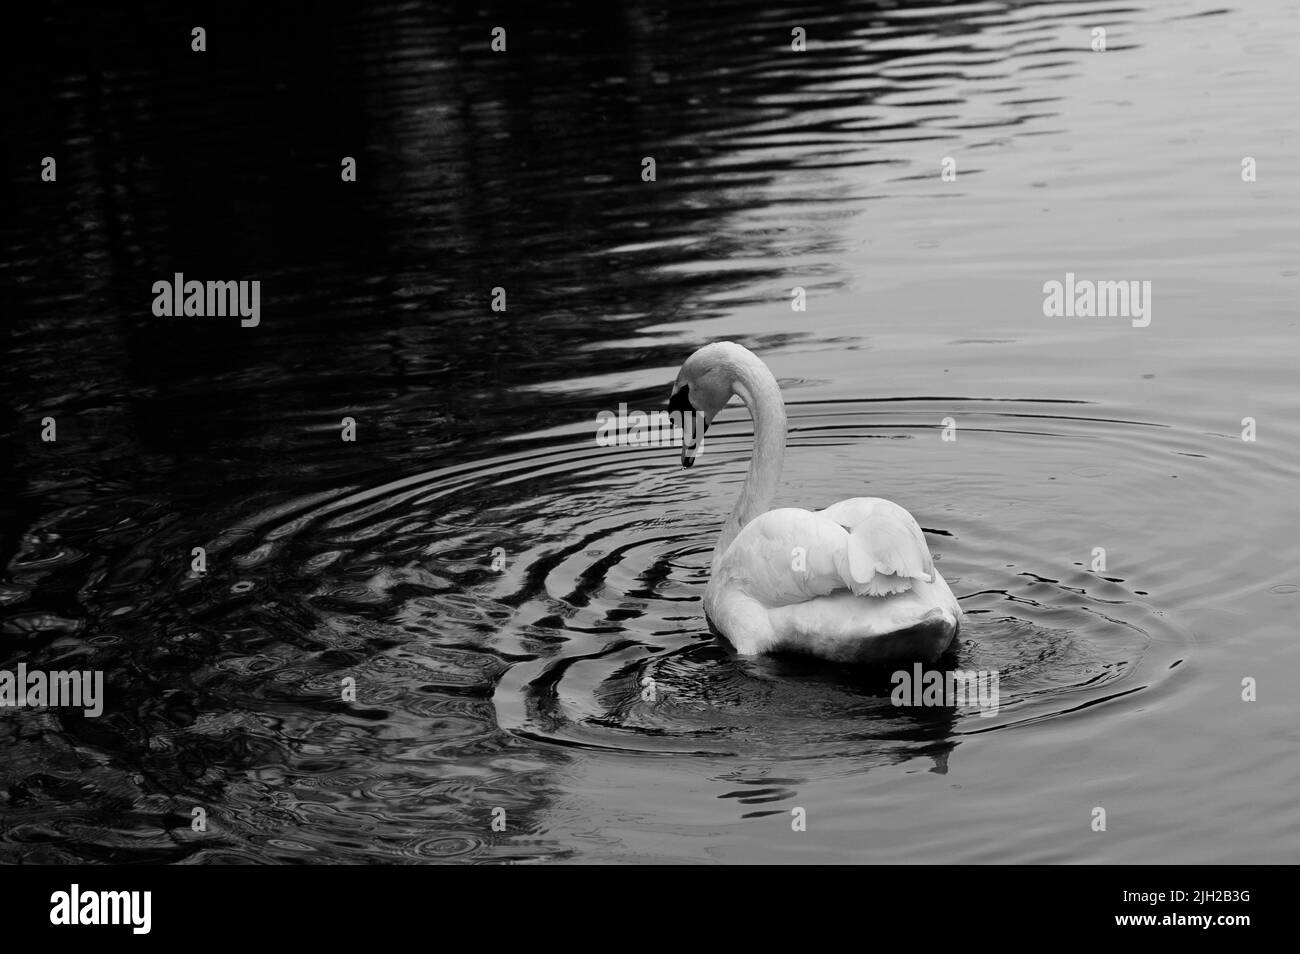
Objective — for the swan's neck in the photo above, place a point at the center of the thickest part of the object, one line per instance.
(757, 387)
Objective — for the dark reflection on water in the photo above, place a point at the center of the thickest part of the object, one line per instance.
(522, 689)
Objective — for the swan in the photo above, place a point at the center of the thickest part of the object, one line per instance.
(852, 583)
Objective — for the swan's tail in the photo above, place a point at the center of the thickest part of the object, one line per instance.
(887, 553)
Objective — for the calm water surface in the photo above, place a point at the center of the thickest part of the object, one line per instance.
(521, 689)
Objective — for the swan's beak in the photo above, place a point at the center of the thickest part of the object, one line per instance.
(691, 438)
(694, 423)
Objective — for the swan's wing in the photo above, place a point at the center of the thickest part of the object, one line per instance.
(886, 547)
(867, 545)
(785, 556)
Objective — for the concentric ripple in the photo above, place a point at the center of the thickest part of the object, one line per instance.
(492, 620)
(563, 583)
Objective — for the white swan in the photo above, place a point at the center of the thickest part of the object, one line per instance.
(852, 583)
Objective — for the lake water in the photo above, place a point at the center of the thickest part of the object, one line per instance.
(520, 688)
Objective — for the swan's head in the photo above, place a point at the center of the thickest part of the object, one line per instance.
(704, 386)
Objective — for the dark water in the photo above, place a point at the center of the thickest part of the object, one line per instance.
(520, 689)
